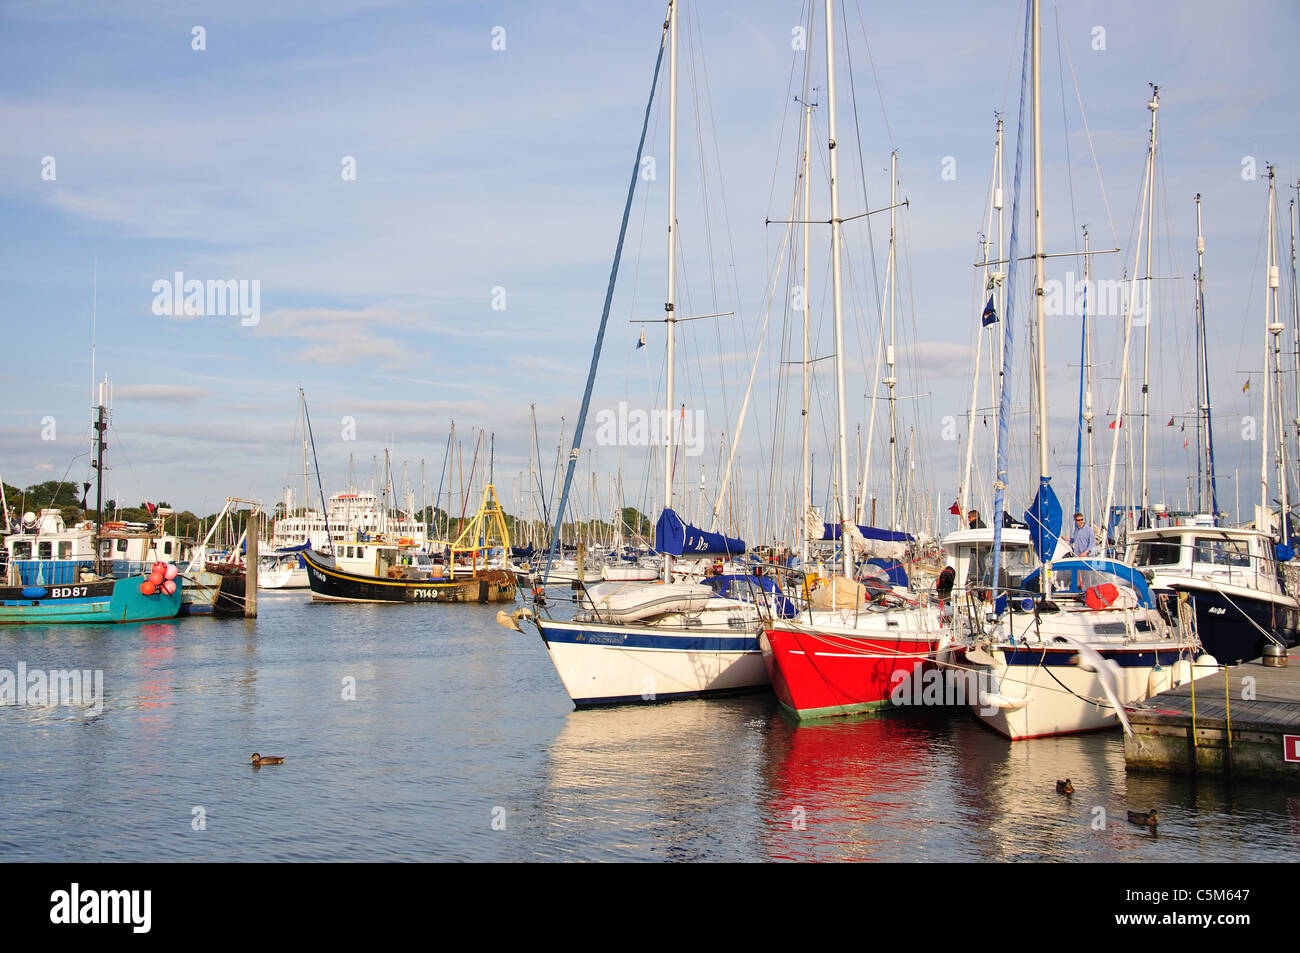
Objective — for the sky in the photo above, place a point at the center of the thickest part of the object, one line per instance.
(428, 196)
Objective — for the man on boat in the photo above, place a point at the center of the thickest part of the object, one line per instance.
(973, 520)
(1083, 542)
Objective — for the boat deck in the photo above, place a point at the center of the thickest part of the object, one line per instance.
(1244, 721)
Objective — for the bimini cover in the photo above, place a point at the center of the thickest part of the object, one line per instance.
(1081, 574)
(522, 552)
(676, 538)
(1044, 519)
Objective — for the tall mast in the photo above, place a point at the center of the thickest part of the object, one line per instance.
(1263, 466)
(1122, 399)
(302, 418)
(806, 497)
(891, 379)
(1275, 329)
(1295, 329)
(837, 282)
(1153, 105)
(992, 280)
(1084, 414)
(1041, 337)
(669, 305)
(1208, 492)
(100, 427)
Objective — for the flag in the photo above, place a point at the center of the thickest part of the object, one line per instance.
(1184, 444)
(1112, 424)
(955, 509)
(641, 343)
(151, 507)
(1246, 386)
(990, 315)
(1171, 422)
(1183, 429)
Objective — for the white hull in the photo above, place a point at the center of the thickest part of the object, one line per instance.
(1046, 688)
(295, 578)
(620, 664)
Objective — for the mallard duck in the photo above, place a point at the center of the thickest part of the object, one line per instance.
(257, 760)
(1064, 787)
(1143, 818)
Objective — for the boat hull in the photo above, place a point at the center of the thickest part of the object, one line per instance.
(636, 664)
(330, 584)
(819, 673)
(1232, 626)
(106, 601)
(1042, 692)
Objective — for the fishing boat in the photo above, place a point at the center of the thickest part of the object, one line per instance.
(56, 575)
(395, 570)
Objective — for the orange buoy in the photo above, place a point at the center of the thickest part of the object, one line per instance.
(147, 588)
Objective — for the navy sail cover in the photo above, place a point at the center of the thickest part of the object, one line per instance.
(676, 538)
(832, 531)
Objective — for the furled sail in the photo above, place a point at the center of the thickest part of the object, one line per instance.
(677, 538)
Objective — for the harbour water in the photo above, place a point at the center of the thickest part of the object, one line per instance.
(460, 744)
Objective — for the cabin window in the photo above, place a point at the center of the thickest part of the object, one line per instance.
(1158, 553)
(44, 550)
(121, 545)
(65, 549)
(22, 550)
(167, 547)
(1221, 552)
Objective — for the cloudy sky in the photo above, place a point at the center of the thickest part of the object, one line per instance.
(428, 196)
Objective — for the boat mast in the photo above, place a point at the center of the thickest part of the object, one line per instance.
(100, 426)
(806, 498)
(891, 380)
(1041, 337)
(1206, 490)
(1275, 326)
(1295, 328)
(992, 280)
(1153, 104)
(670, 304)
(837, 282)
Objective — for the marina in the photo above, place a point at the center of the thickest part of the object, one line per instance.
(696, 433)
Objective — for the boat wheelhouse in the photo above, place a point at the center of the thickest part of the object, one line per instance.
(1231, 576)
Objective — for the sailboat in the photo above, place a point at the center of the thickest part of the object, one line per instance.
(1081, 638)
(1232, 575)
(843, 655)
(634, 642)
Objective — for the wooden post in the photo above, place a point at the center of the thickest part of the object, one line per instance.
(251, 539)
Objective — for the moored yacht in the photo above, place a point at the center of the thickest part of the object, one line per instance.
(1232, 578)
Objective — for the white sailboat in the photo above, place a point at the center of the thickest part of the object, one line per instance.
(633, 642)
(1091, 640)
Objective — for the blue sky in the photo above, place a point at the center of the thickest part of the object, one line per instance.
(481, 168)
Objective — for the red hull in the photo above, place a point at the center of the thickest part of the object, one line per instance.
(818, 674)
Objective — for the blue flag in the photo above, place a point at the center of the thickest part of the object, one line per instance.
(990, 315)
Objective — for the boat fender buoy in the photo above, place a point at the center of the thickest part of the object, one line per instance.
(169, 587)
(35, 592)
(147, 588)
(172, 572)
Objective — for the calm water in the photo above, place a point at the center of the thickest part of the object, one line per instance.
(459, 723)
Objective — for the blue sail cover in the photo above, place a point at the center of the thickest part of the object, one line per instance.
(1044, 519)
(832, 531)
(676, 538)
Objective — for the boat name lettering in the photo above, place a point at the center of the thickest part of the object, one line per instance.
(66, 592)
